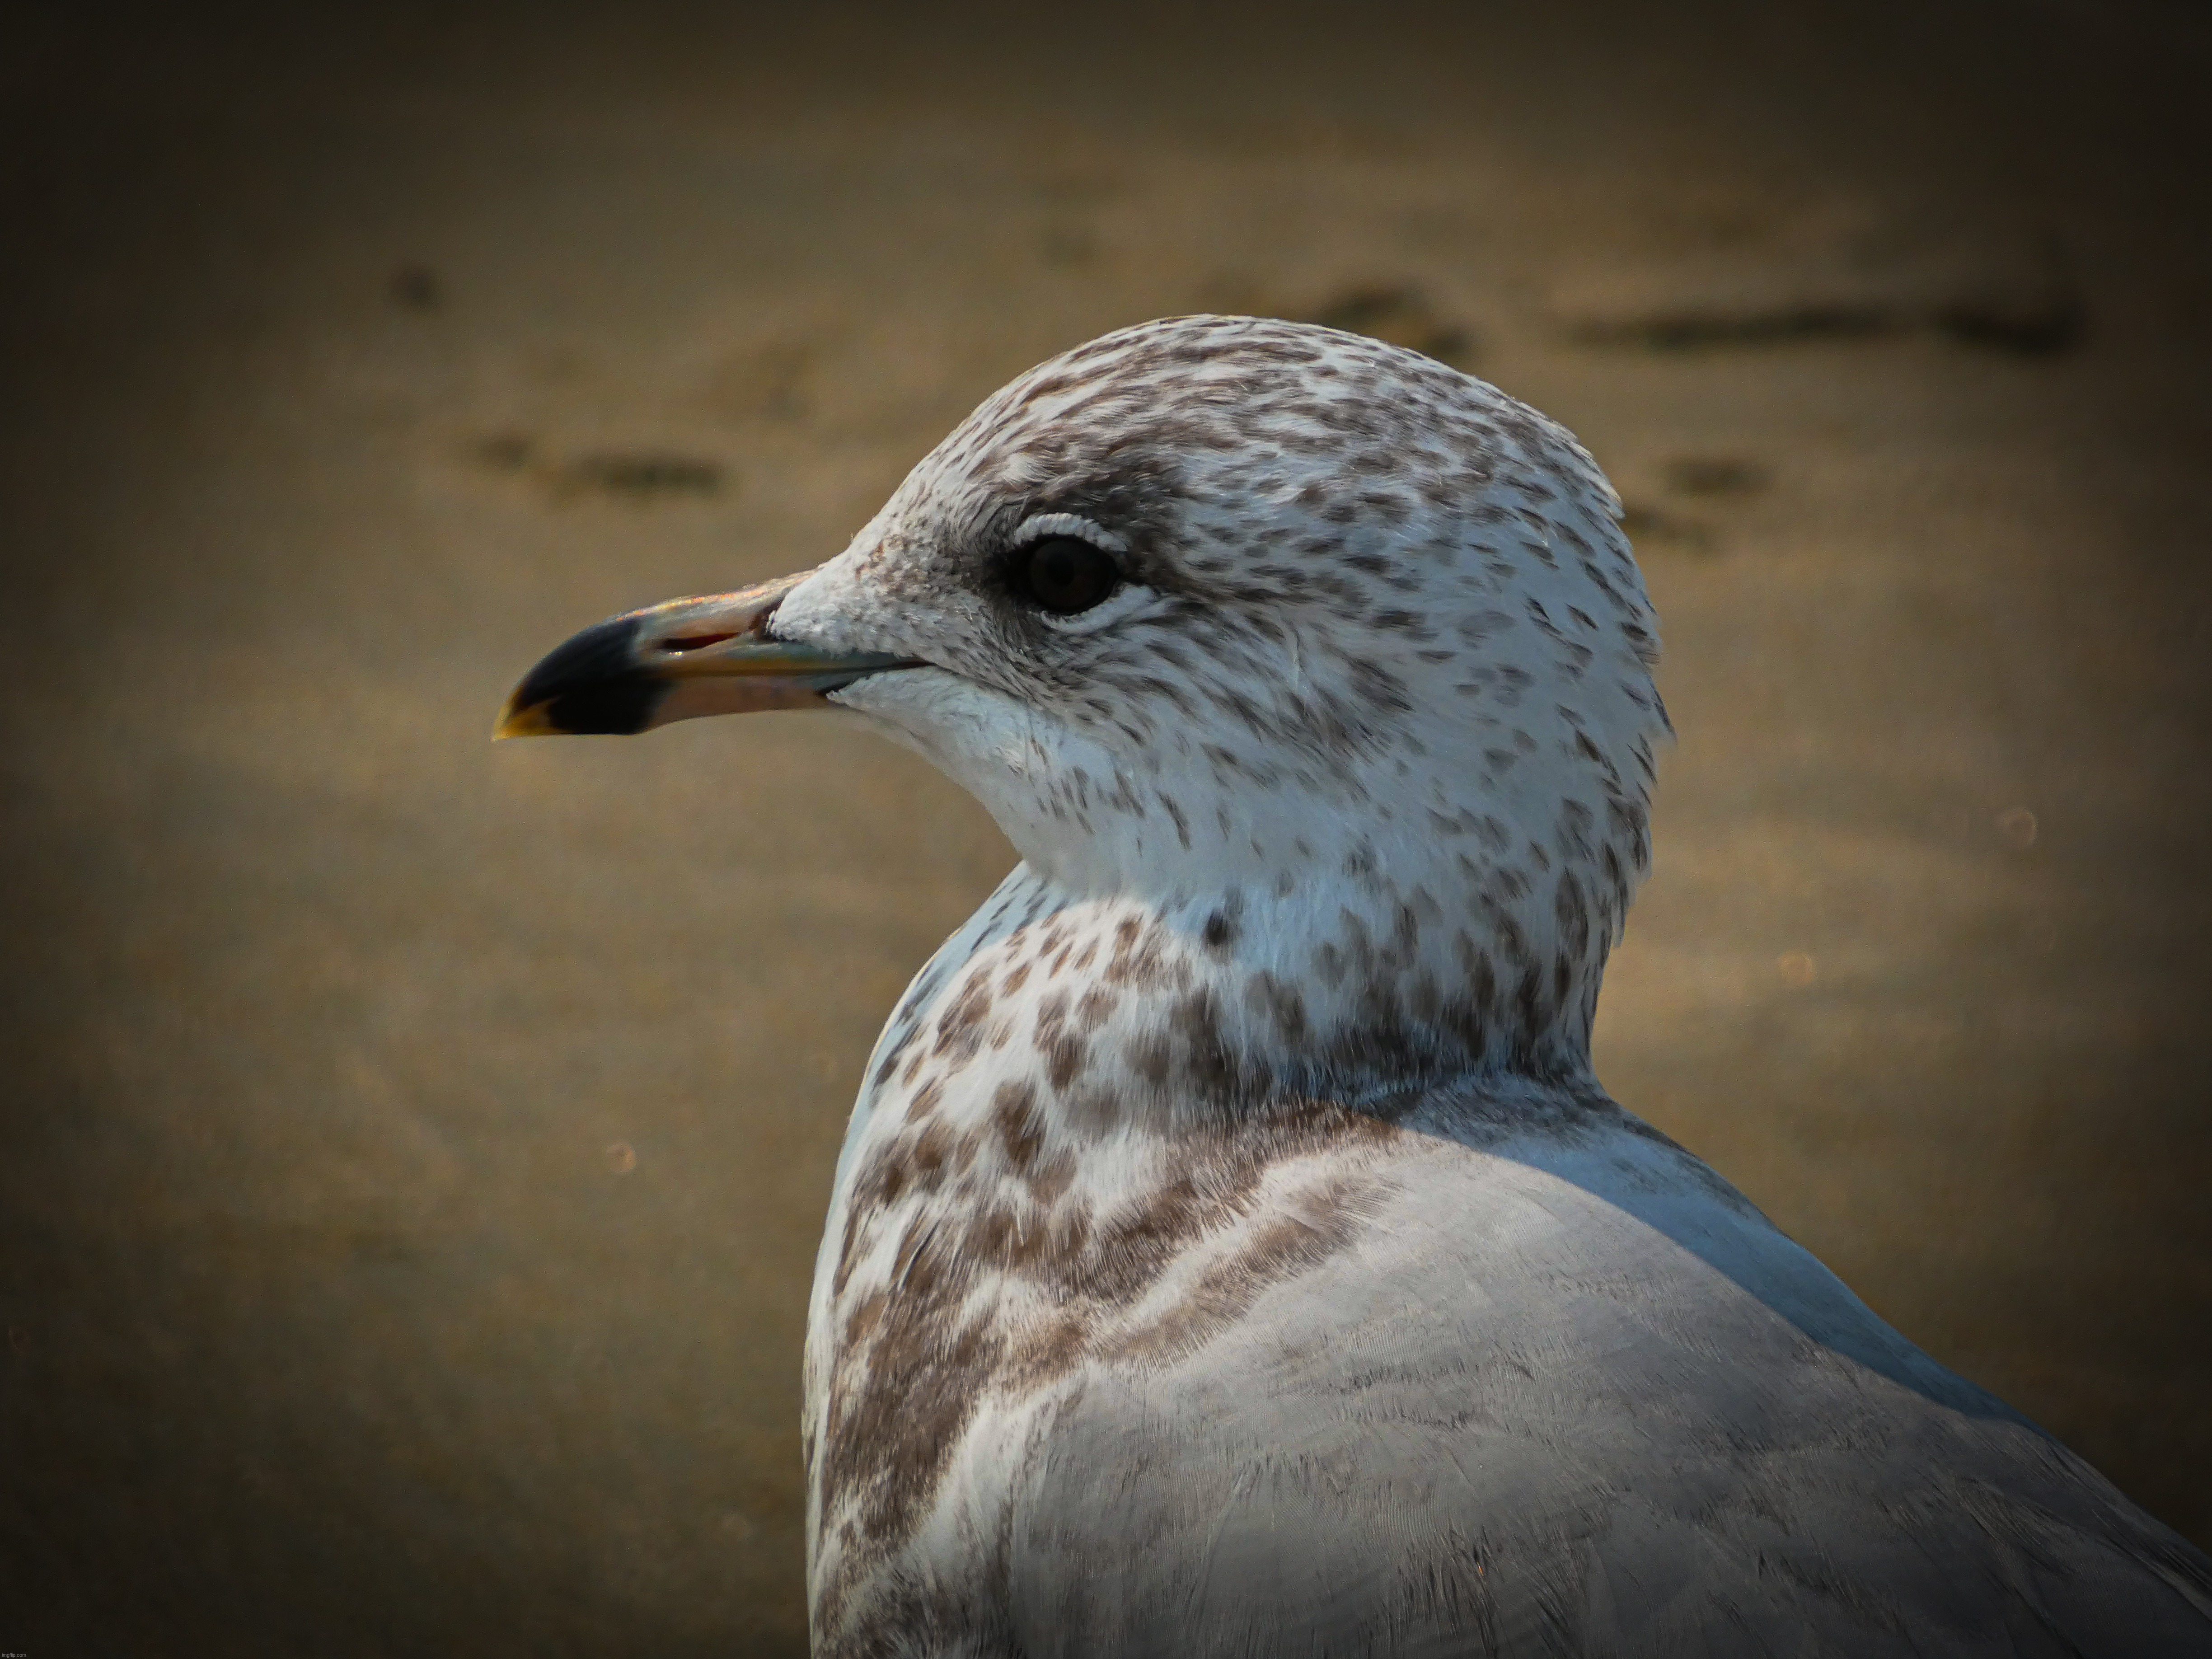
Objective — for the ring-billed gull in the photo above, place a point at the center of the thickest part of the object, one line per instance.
(1232, 1251)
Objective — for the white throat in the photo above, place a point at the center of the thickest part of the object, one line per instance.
(1301, 931)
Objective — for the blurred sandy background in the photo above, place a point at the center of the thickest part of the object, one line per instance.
(414, 1151)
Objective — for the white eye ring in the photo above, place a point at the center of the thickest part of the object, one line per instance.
(1038, 525)
(1126, 600)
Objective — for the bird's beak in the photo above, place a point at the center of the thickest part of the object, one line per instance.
(677, 661)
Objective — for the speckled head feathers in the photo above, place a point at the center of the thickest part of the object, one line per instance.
(1372, 711)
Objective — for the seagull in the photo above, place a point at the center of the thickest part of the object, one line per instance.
(1232, 1251)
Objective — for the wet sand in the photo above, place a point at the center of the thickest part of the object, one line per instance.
(415, 1151)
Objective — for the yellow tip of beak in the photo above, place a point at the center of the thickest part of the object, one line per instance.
(530, 722)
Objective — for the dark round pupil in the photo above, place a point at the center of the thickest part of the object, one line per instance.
(1066, 575)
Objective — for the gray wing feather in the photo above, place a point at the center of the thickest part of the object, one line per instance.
(1572, 1402)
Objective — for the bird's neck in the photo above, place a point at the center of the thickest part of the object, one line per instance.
(1160, 1006)
(1330, 935)
(1213, 923)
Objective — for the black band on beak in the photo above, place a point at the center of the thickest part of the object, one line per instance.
(593, 685)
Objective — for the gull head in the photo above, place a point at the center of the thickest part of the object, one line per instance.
(1331, 661)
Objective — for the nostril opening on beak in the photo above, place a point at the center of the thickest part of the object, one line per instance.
(694, 641)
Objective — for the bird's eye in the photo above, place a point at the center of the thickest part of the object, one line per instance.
(1065, 575)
